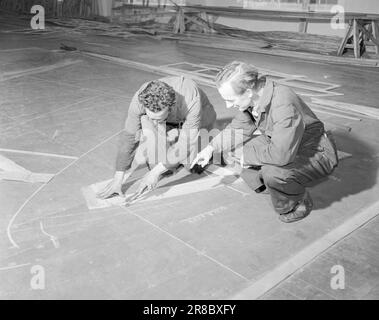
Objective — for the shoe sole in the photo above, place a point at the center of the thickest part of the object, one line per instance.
(286, 218)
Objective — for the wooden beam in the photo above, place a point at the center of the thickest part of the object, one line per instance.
(303, 25)
(275, 14)
(364, 110)
(375, 33)
(345, 39)
(179, 25)
(200, 22)
(287, 53)
(369, 35)
(356, 36)
(203, 17)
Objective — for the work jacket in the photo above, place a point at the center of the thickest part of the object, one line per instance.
(192, 111)
(288, 124)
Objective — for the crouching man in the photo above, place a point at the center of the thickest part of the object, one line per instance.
(161, 130)
(282, 138)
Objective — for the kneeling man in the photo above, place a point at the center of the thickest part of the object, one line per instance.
(281, 137)
(174, 108)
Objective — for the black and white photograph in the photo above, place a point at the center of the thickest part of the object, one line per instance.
(205, 152)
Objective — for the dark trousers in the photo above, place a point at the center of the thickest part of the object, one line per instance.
(286, 184)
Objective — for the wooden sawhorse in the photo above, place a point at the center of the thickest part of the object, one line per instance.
(363, 31)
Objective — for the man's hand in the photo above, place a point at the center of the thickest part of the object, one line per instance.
(203, 157)
(148, 182)
(114, 187)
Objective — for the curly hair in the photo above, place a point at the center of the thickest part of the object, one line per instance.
(157, 96)
(243, 76)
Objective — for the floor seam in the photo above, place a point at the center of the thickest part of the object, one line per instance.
(199, 252)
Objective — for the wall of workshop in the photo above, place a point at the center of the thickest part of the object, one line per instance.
(360, 6)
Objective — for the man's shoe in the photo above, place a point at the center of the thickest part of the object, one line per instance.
(262, 190)
(301, 210)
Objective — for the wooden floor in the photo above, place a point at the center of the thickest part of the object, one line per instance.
(212, 244)
(357, 254)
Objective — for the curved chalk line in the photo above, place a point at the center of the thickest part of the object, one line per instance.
(9, 233)
(53, 239)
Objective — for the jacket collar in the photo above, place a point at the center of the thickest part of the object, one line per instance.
(265, 100)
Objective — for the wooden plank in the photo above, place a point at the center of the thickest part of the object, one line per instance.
(33, 153)
(179, 26)
(287, 54)
(320, 109)
(182, 25)
(368, 111)
(285, 15)
(289, 267)
(356, 33)
(369, 35)
(375, 33)
(303, 25)
(345, 39)
(200, 22)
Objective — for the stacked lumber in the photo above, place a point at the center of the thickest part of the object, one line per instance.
(217, 41)
(275, 15)
(83, 26)
(277, 43)
(294, 41)
(291, 41)
(141, 14)
(281, 53)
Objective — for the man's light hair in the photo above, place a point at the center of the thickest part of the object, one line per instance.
(241, 75)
